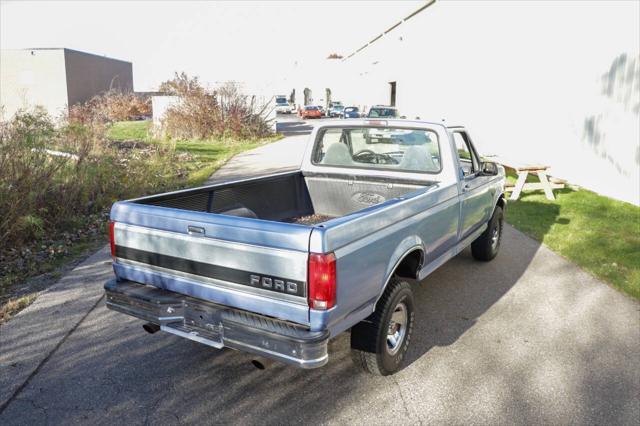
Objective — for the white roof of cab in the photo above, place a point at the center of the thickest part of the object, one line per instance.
(375, 122)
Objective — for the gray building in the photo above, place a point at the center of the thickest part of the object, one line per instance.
(57, 78)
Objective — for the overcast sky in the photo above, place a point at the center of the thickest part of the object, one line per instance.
(218, 41)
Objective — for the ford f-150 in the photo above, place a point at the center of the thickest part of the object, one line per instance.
(277, 265)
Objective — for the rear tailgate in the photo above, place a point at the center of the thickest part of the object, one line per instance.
(255, 265)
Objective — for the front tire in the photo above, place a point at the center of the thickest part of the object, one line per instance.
(379, 343)
(487, 245)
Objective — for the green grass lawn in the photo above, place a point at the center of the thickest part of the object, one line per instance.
(129, 130)
(209, 156)
(599, 234)
(206, 155)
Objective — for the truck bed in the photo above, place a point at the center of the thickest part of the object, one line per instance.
(310, 219)
(307, 199)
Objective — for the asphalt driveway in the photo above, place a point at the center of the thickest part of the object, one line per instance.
(527, 338)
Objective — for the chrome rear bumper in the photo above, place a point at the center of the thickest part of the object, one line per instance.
(219, 326)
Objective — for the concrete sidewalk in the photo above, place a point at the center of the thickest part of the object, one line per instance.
(29, 338)
(527, 338)
(279, 156)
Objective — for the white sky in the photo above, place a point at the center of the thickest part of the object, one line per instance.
(217, 41)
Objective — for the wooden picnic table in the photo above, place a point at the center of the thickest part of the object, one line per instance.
(522, 184)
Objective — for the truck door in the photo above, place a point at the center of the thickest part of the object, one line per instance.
(474, 191)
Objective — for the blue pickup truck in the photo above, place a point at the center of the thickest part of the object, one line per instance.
(277, 265)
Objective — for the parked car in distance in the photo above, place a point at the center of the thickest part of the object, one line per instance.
(351, 112)
(279, 264)
(310, 111)
(283, 106)
(322, 110)
(335, 110)
(383, 111)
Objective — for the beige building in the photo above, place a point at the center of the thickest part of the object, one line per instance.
(57, 78)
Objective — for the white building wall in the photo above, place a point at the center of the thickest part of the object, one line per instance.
(538, 82)
(159, 107)
(32, 77)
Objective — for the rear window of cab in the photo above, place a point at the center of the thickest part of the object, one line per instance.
(375, 148)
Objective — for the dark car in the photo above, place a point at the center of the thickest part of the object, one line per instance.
(351, 112)
(383, 111)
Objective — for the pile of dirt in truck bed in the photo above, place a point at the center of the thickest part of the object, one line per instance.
(311, 219)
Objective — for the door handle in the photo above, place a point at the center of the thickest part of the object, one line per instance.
(195, 230)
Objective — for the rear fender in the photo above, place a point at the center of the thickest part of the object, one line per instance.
(406, 247)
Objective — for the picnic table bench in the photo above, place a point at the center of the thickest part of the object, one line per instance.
(522, 184)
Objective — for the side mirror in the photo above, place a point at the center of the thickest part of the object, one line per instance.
(489, 168)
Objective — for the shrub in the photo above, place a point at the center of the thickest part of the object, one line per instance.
(202, 113)
(181, 85)
(51, 177)
(109, 107)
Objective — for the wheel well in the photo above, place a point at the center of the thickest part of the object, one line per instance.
(409, 266)
(501, 202)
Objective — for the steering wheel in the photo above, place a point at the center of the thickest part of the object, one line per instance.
(364, 151)
(378, 158)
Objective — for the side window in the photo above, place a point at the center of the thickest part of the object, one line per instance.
(468, 160)
(329, 138)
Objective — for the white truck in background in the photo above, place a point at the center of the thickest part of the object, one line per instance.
(283, 106)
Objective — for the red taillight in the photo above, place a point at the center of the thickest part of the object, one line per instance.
(112, 238)
(322, 281)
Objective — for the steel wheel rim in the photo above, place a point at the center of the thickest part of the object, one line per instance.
(495, 236)
(397, 328)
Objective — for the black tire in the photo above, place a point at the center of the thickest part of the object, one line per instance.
(371, 349)
(487, 245)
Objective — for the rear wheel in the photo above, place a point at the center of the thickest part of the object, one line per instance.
(379, 343)
(487, 245)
